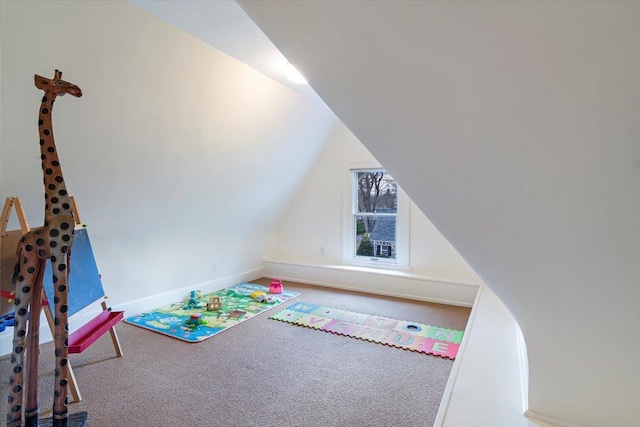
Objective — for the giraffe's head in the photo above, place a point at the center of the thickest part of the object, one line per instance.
(56, 86)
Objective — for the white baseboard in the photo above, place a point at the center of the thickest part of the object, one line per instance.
(134, 307)
(140, 305)
(460, 291)
(549, 421)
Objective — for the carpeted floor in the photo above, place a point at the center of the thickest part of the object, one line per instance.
(261, 373)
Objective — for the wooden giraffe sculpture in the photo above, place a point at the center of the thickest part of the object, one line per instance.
(53, 242)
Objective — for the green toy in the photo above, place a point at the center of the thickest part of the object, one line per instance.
(194, 321)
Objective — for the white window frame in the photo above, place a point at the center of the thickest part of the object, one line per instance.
(401, 261)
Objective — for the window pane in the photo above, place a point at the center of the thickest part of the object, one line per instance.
(377, 192)
(375, 236)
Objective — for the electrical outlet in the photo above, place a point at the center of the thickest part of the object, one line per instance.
(321, 250)
(214, 268)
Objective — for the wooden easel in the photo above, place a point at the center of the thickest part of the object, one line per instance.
(84, 336)
(12, 202)
(6, 213)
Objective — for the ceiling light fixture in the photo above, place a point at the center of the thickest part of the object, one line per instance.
(293, 74)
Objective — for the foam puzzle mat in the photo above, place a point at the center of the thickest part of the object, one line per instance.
(411, 336)
(236, 306)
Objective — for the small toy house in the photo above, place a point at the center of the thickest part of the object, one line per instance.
(214, 304)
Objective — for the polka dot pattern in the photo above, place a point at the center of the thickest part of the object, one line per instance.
(50, 242)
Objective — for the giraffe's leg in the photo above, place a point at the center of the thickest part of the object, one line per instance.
(28, 262)
(33, 350)
(59, 267)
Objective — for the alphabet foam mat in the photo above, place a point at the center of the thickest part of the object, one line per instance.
(416, 337)
(191, 321)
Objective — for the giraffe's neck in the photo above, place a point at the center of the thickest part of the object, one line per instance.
(57, 200)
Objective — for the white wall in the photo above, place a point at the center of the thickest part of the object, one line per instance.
(487, 385)
(314, 219)
(515, 129)
(179, 156)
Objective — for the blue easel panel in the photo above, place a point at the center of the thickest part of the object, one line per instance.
(85, 286)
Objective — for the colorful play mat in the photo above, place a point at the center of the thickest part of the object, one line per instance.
(203, 316)
(396, 333)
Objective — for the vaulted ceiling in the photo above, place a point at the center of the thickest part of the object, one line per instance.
(224, 25)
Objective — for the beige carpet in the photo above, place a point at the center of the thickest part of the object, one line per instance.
(261, 373)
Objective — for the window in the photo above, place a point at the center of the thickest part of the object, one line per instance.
(375, 229)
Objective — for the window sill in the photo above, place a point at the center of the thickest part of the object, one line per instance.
(451, 290)
(377, 265)
(399, 272)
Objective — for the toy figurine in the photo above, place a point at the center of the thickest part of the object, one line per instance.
(257, 294)
(192, 303)
(194, 321)
(263, 297)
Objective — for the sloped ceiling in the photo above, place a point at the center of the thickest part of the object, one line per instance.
(224, 25)
(173, 144)
(515, 127)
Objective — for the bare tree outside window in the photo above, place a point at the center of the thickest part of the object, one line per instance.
(376, 207)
